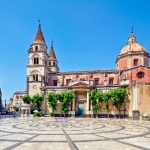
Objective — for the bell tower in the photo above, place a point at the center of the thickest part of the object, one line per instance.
(52, 61)
(37, 70)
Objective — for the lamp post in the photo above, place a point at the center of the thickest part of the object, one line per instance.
(1, 105)
(5, 103)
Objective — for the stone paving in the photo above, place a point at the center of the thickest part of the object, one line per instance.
(73, 133)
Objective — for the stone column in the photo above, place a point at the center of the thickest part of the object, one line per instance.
(88, 101)
(73, 106)
(91, 111)
(87, 104)
(45, 101)
(135, 112)
(135, 98)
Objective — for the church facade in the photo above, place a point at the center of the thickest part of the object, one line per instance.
(132, 70)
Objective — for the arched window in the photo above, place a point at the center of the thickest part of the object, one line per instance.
(50, 63)
(33, 77)
(111, 80)
(54, 64)
(36, 60)
(135, 62)
(96, 81)
(55, 82)
(36, 48)
(36, 79)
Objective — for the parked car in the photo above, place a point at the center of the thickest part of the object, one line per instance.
(3, 112)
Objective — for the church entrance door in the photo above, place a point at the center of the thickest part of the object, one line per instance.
(80, 108)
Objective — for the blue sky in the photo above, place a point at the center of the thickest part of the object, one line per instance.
(87, 34)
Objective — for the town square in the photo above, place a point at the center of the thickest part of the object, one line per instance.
(75, 75)
(74, 134)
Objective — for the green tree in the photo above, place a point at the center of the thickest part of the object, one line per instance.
(37, 101)
(119, 98)
(26, 99)
(100, 98)
(52, 99)
(65, 98)
(95, 98)
(106, 98)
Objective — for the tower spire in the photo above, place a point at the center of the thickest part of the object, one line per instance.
(53, 63)
(52, 52)
(39, 21)
(52, 42)
(39, 35)
(131, 30)
(132, 37)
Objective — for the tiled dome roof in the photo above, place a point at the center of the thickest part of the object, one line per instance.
(132, 46)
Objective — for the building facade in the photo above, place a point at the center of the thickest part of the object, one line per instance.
(132, 69)
(16, 100)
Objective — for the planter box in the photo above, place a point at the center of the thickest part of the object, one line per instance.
(146, 119)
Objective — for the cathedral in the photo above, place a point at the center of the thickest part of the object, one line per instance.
(132, 70)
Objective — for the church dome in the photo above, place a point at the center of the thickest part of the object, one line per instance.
(132, 46)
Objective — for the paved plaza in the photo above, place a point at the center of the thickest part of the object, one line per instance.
(73, 133)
